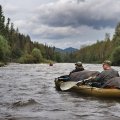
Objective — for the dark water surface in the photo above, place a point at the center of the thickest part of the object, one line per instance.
(27, 93)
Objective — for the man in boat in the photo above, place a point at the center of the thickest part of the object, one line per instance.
(107, 74)
(78, 67)
(50, 64)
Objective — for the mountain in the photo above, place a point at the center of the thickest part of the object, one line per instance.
(70, 49)
(66, 50)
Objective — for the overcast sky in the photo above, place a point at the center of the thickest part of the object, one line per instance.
(64, 23)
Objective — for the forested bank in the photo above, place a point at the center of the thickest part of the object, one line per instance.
(17, 47)
(102, 50)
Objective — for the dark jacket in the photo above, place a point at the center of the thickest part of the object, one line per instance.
(112, 83)
(106, 75)
(77, 70)
(67, 77)
(81, 75)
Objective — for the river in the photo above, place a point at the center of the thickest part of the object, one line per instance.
(27, 92)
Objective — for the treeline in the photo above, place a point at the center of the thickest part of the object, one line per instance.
(17, 47)
(102, 50)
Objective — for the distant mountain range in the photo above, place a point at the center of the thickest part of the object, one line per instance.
(66, 50)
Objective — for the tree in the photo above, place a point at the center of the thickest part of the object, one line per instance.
(58, 57)
(116, 37)
(2, 20)
(4, 49)
(115, 57)
(36, 53)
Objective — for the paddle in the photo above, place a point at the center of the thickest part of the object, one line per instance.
(70, 84)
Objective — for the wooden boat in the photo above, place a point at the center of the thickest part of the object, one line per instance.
(92, 91)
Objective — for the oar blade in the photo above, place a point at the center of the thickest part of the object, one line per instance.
(67, 85)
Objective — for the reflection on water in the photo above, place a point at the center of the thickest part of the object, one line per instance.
(27, 93)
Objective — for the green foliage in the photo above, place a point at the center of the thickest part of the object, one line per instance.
(115, 56)
(36, 53)
(58, 57)
(4, 49)
(28, 59)
(21, 45)
(96, 53)
(34, 57)
(48, 61)
(2, 20)
(16, 53)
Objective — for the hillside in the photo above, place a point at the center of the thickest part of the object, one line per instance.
(66, 50)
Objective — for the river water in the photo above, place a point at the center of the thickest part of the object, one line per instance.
(27, 92)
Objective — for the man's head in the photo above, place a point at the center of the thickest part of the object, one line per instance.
(78, 64)
(107, 65)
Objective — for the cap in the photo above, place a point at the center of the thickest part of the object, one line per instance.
(107, 62)
(78, 63)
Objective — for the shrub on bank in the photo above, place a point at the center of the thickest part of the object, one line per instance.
(36, 53)
(28, 59)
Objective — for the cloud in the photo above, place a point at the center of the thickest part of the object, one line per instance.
(10, 9)
(73, 19)
(92, 13)
(84, 36)
(64, 22)
(55, 33)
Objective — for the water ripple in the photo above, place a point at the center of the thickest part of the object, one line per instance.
(27, 92)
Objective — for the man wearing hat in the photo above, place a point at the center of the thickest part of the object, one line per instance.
(105, 75)
(78, 67)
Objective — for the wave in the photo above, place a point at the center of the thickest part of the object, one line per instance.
(24, 103)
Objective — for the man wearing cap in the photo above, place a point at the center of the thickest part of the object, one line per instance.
(78, 67)
(105, 75)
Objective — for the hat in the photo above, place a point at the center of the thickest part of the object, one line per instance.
(78, 63)
(107, 62)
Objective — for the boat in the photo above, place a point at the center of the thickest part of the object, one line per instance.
(91, 91)
(50, 64)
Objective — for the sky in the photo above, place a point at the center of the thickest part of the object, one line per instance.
(64, 23)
